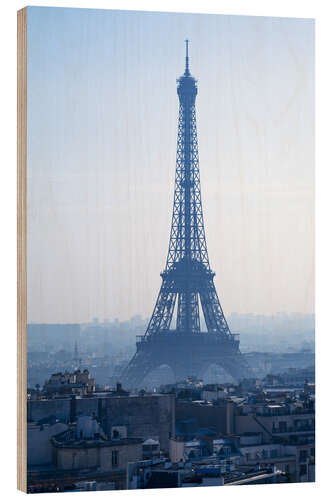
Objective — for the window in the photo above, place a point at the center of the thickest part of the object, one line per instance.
(273, 453)
(303, 455)
(115, 458)
(303, 470)
(287, 468)
(282, 426)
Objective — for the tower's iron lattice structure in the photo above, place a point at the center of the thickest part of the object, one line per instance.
(187, 278)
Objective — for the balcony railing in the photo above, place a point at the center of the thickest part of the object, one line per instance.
(293, 429)
(283, 412)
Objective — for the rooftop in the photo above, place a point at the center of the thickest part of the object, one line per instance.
(67, 439)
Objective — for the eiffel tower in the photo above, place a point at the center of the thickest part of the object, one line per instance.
(187, 277)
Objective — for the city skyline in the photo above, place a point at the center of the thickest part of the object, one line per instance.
(99, 207)
(107, 320)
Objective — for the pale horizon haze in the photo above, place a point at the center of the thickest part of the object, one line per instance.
(102, 130)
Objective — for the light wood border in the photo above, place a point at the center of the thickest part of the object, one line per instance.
(21, 249)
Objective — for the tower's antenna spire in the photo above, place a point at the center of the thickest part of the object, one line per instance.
(187, 71)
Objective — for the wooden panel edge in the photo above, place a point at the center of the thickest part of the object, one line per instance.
(21, 249)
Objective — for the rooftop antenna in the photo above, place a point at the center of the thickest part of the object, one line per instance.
(187, 71)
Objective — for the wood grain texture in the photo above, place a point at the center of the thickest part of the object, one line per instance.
(21, 249)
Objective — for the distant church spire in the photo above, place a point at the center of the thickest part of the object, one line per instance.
(76, 352)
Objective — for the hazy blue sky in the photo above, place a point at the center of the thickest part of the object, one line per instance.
(102, 126)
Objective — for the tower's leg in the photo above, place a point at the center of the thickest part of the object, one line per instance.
(212, 309)
(139, 367)
(236, 366)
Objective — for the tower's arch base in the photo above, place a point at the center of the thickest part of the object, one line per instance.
(185, 355)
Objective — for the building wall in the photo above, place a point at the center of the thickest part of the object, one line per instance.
(211, 395)
(267, 424)
(127, 453)
(280, 457)
(176, 450)
(288, 420)
(60, 408)
(85, 406)
(77, 458)
(303, 453)
(292, 459)
(39, 444)
(257, 453)
(249, 423)
(97, 457)
(312, 473)
(221, 417)
(145, 417)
